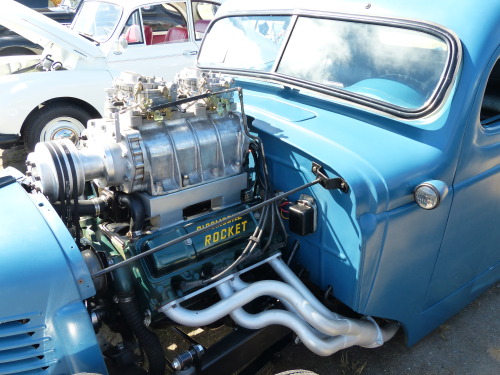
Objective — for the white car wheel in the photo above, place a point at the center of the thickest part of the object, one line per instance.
(55, 121)
(62, 127)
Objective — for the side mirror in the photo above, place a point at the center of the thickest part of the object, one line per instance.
(120, 45)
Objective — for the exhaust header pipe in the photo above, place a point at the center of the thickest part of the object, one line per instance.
(321, 330)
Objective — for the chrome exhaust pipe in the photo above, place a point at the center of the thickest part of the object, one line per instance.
(321, 330)
(318, 344)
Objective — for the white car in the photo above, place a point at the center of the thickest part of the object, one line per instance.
(53, 95)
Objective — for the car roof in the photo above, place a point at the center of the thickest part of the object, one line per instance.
(477, 24)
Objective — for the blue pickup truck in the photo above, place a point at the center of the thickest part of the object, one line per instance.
(328, 172)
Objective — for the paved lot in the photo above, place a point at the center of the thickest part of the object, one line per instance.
(468, 344)
(14, 157)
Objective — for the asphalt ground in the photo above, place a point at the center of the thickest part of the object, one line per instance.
(467, 344)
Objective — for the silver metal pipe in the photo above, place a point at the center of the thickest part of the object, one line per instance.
(280, 267)
(238, 284)
(282, 291)
(321, 330)
(387, 331)
(312, 341)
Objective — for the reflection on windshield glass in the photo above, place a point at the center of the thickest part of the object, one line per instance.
(399, 66)
(97, 20)
(245, 42)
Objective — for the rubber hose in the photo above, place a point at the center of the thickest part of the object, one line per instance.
(148, 340)
(136, 209)
(86, 207)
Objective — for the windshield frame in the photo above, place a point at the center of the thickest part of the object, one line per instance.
(88, 3)
(441, 91)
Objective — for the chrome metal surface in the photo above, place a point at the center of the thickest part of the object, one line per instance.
(155, 152)
(61, 128)
(321, 330)
(167, 210)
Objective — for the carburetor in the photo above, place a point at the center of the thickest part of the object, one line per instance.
(156, 141)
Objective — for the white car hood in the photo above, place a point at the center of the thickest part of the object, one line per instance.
(43, 31)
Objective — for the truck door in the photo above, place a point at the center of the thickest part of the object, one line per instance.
(470, 252)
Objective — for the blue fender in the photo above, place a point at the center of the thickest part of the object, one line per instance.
(43, 321)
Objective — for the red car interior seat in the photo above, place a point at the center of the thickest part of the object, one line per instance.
(176, 34)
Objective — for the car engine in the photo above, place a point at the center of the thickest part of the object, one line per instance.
(169, 202)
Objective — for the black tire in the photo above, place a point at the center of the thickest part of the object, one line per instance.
(297, 372)
(55, 121)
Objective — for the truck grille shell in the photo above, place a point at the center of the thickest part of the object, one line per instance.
(25, 346)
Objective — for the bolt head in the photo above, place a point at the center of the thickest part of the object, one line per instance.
(200, 349)
(176, 364)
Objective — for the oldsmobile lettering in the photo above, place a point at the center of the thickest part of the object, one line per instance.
(221, 220)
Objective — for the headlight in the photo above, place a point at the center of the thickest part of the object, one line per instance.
(429, 195)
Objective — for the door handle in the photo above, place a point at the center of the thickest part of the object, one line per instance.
(190, 53)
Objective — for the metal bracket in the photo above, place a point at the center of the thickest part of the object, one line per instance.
(326, 182)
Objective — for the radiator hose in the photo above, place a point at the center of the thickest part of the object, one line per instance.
(148, 340)
(91, 207)
(137, 212)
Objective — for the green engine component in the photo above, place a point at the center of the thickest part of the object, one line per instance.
(174, 271)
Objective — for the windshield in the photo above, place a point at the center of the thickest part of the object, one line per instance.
(392, 65)
(244, 42)
(97, 20)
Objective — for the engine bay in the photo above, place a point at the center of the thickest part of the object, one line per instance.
(169, 201)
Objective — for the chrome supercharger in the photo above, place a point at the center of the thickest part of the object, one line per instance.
(169, 200)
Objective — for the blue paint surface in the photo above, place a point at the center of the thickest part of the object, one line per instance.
(383, 254)
(44, 281)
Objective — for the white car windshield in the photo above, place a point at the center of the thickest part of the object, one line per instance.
(97, 20)
(396, 65)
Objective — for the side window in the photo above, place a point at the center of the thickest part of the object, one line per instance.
(490, 108)
(165, 23)
(203, 13)
(132, 31)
